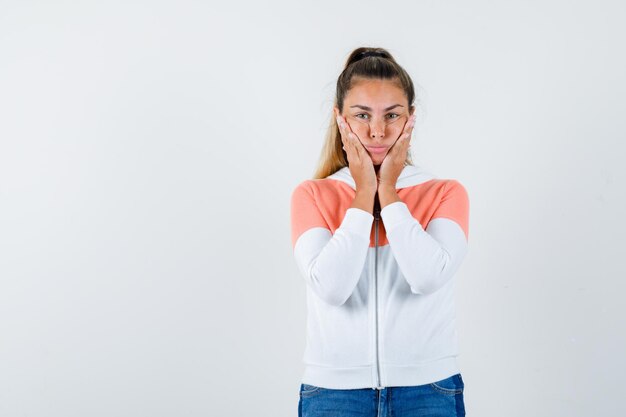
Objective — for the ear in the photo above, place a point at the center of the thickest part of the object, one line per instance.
(411, 110)
(336, 111)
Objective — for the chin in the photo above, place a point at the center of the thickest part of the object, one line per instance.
(378, 161)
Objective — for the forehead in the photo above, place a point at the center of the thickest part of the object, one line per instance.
(375, 93)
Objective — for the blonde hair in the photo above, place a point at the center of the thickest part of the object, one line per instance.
(363, 62)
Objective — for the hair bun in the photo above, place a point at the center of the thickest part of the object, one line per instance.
(373, 53)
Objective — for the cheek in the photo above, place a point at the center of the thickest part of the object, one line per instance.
(360, 129)
(395, 130)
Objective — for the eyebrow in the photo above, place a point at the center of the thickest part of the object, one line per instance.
(370, 109)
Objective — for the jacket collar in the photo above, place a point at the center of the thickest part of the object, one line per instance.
(410, 175)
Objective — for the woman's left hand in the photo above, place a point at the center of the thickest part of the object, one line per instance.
(393, 164)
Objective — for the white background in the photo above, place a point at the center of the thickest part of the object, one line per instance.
(148, 151)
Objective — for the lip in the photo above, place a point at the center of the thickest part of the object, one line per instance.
(376, 149)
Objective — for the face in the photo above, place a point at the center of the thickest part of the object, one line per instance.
(376, 111)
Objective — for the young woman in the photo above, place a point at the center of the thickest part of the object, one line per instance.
(378, 241)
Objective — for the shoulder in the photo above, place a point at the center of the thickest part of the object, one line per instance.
(304, 189)
(314, 188)
(437, 189)
(452, 193)
(455, 187)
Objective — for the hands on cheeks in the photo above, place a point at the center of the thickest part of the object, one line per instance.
(393, 163)
(360, 163)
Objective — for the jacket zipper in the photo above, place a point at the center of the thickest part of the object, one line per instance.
(376, 220)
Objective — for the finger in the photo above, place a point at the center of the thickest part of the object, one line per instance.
(342, 133)
(400, 148)
(343, 125)
(355, 143)
(353, 138)
(339, 124)
(351, 146)
(405, 137)
(347, 135)
(348, 139)
(348, 143)
(409, 130)
(410, 123)
(352, 143)
(348, 129)
(403, 142)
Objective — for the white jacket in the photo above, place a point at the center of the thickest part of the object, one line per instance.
(380, 288)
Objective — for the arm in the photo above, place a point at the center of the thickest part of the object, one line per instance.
(428, 258)
(330, 263)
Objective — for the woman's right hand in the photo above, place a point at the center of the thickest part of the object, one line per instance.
(359, 160)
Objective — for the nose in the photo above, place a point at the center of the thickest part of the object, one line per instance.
(377, 130)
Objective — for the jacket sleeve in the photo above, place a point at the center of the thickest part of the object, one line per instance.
(429, 258)
(330, 263)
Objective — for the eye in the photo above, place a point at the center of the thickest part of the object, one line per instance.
(393, 114)
(361, 114)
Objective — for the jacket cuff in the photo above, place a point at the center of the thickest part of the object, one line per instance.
(395, 214)
(358, 222)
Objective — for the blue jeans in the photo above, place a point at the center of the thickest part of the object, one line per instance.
(438, 399)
